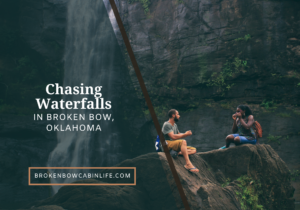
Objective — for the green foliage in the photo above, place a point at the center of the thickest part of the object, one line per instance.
(161, 111)
(167, 87)
(275, 139)
(226, 105)
(298, 85)
(219, 78)
(145, 4)
(295, 174)
(246, 38)
(227, 181)
(268, 104)
(238, 64)
(250, 191)
(202, 64)
(208, 104)
(146, 112)
(239, 39)
(277, 76)
(229, 86)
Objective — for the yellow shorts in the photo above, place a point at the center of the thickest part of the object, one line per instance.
(176, 145)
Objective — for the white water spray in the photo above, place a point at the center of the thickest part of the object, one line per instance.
(89, 59)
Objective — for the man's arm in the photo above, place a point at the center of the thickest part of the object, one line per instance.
(180, 135)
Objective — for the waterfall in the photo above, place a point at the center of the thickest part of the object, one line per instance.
(90, 60)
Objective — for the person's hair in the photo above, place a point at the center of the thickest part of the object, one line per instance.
(246, 109)
(171, 112)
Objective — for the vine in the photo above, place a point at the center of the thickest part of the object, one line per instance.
(218, 79)
(246, 38)
(250, 191)
(145, 4)
(275, 139)
(295, 174)
(227, 181)
(268, 104)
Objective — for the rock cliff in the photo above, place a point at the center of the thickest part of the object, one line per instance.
(205, 57)
(199, 49)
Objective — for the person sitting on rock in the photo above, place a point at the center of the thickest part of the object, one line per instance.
(242, 128)
(175, 139)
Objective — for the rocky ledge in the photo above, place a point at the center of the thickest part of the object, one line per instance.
(244, 177)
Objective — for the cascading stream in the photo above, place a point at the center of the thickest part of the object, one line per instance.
(89, 59)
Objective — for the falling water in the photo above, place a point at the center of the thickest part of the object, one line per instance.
(89, 59)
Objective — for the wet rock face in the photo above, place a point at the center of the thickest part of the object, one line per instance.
(203, 190)
(181, 47)
(23, 144)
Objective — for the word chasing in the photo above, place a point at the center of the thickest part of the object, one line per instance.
(81, 127)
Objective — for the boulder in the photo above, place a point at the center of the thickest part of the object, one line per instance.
(225, 179)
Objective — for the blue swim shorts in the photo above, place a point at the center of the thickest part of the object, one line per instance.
(244, 140)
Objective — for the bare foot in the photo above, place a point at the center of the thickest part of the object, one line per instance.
(191, 168)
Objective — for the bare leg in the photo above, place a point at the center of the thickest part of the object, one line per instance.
(190, 152)
(229, 139)
(186, 157)
(237, 141)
